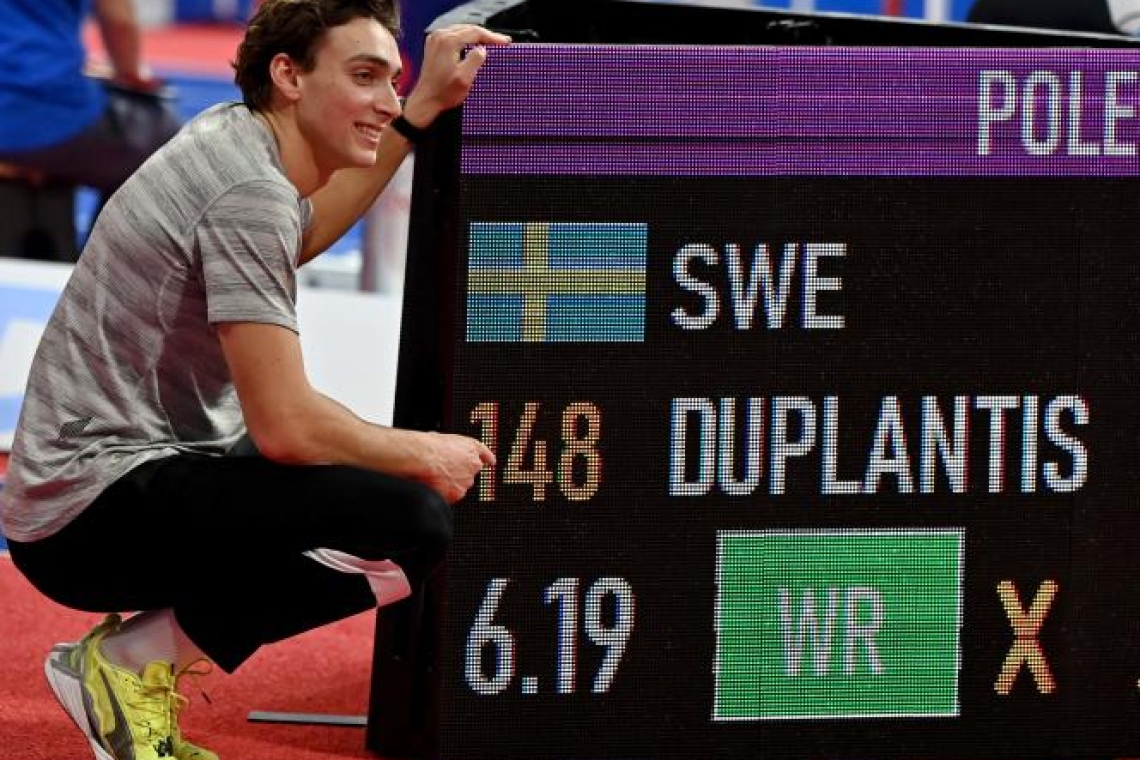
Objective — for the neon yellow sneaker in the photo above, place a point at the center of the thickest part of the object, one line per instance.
(184, 750)
(63, 670)
(123, 716)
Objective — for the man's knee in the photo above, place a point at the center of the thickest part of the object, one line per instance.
(433, 519)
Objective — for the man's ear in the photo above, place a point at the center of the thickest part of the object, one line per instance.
(284, 72)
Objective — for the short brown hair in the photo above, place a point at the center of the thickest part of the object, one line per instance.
(294, 27)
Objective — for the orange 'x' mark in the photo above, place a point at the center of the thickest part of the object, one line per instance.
(1026, 649)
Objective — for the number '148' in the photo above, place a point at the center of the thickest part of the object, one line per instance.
(579, 468)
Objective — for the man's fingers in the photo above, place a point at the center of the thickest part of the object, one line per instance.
(486, 456)
(452, 58)
(471, 63)
(462, 35)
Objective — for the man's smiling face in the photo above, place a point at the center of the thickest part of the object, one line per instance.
(349, 96)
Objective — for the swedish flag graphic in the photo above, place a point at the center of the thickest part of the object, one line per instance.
(556, 282)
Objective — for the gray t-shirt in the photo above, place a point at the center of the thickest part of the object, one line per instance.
(130, 368)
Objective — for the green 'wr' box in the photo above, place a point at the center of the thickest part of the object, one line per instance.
(838, 624)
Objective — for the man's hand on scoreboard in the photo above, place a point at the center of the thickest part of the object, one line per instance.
(452, 462)
(448, 73)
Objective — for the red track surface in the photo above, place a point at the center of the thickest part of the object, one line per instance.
(203, 49)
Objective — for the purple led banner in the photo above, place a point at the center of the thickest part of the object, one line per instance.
(750, 111)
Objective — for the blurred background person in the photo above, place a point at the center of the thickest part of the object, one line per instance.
(1069, 15)
(60, 122)
(416, 18)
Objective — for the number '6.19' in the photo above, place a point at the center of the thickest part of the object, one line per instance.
(490, 655)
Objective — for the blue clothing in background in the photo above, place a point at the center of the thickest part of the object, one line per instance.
(44, 96)
(415, 17)
(199, 11)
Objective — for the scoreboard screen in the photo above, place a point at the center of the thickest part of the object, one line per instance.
(812, 378)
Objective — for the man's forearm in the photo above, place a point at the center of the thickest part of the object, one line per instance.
(323, 431)
(350, 193)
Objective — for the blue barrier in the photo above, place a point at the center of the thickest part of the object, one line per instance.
(23, 311)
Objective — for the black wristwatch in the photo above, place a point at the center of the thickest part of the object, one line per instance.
(410, 131)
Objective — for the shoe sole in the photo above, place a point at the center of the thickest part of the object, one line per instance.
(67, 687)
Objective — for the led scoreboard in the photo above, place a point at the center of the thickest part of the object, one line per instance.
(812, 374)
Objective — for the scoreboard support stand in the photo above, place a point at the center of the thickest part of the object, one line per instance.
(403, 702)
(404, 667)
(307, 719)
(396, 727)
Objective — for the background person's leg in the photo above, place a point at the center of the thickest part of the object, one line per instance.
(109, 151)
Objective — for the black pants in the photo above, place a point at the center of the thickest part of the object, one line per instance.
(220, 541)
